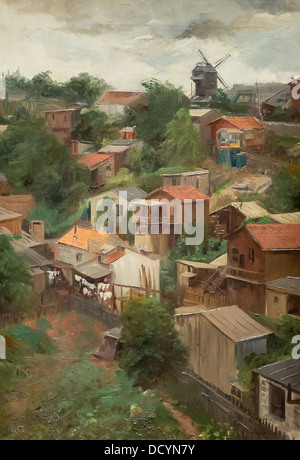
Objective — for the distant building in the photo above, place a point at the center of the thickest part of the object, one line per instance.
(117, 196)
(258, 254)
(279, 100)
(227, 219)
(105, 163)
(62, 123)
(161, 243)
(283, 297)
(253, 132)
(11, 220)
(115, 102)
(80, 147)
(277, 390)
(21, 204)
(201, 118)
(198, 179)
(219, 340)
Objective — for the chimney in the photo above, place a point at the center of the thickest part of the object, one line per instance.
(75, 148)
(37, 230)
(75, 236)
(128, 133)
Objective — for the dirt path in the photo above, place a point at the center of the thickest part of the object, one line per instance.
(187, 426)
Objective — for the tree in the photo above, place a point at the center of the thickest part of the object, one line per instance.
(84, 88)
(42, 85)
(151, 347)
(34, 160)
(182, 145)
(285, 192)
(15, 287)
(145, 160)
(95, 126)
(164, 101)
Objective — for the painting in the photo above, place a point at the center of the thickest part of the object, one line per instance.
(150, 222)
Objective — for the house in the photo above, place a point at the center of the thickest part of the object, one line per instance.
(199, 179)
(62, 123)
(229, 218)
(277, 391)
(258, 254)
(121, 196)
(115, 102)
(81, 245)
(5, 188)
(278, 100)
(11, 220)
(143, 277)
(79, 148)
(93, 281)
(21, 204)
(159, 210)
(100, 166)
(219, 340)
(105, 163)
(129, 139)
(253, 132)
(202, 283)
(201, 118)
(283, 297)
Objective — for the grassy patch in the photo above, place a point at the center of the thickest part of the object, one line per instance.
(287, 142)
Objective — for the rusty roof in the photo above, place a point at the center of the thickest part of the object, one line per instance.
(235, 323)
(113, 257)
(132, 98)
(83, 236)
(243, 123)
(187, 192)
(275, 237)
(94, 159)
(289, 283)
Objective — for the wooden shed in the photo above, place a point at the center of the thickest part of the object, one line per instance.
(219, 340)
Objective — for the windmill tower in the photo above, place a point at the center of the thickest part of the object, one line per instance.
(205, 76)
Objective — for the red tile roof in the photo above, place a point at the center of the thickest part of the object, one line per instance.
(123, 98)
(243, 123)
(83, 236)
(93, 159)
(273, 237)
(113, 257)
(187, 192)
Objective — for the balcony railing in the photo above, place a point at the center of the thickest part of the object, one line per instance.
(246, 275)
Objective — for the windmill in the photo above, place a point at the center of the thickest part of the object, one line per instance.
(205, 76)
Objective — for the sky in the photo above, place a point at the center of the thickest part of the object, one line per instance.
(129, 41)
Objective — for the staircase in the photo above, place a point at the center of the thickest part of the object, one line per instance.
(215, 281)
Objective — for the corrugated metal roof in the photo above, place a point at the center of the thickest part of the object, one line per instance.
(287, 218)
(281, 98)
(287, 284)
(125, 142)
(112, 148)
(132, 192)
(32, 258)
(201, 112)
(6, 215)
(20, 244)
(251, 209)
(276, 236)
(192, 310)
(235, 324)
(283, 373)
(93, 269)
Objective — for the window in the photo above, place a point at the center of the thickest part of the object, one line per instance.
(78, 257)
(242, 261)
(276, 299)
(174, 182)
(252, 255)
(235, 255)
(277, 402)
(119, 208)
